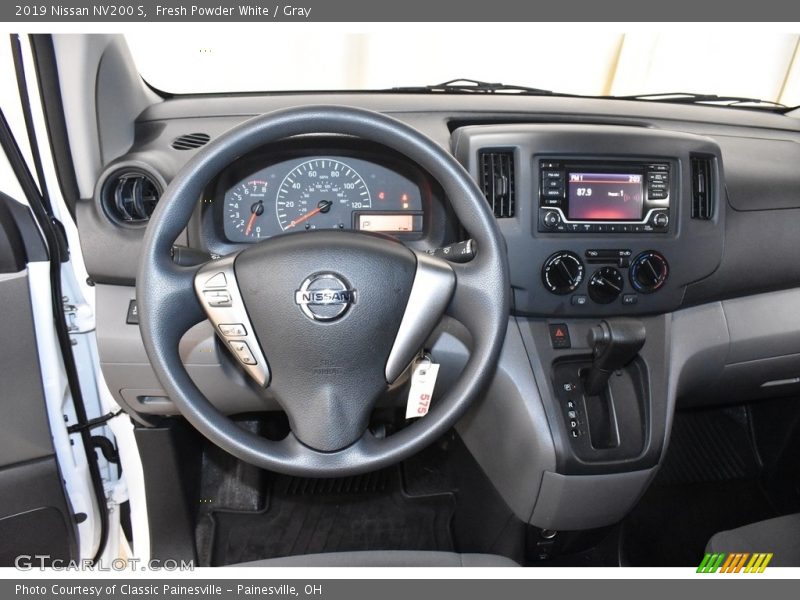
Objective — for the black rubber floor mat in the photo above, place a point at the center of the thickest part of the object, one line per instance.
(709, 482)
(311, 516)
(709, 445)
(672, 524)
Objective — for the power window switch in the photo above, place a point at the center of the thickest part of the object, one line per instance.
(232, 329)
(242, 352)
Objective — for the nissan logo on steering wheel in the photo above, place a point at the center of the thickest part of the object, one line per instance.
(324, 297)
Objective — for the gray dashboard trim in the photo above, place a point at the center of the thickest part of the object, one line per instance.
(497, 106)
(578, 502)
(727, 351)
(507, 430)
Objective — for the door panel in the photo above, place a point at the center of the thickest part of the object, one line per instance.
(34, 514)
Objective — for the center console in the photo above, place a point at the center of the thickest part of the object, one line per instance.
(606, 226)
(608, 220)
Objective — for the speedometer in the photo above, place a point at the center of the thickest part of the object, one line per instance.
(320, 194)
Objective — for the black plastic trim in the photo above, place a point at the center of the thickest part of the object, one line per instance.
(50, 92)
(171, 464)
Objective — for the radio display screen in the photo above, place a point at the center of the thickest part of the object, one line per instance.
(595, 196)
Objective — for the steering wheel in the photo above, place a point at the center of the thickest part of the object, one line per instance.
(326, 319)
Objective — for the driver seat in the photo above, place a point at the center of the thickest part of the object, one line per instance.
(386, 558)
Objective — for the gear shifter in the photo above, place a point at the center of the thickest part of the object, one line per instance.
(615, 343)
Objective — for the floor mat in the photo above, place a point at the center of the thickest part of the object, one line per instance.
(710, 445)
(672, 523)
(710, 481)
(306, 516)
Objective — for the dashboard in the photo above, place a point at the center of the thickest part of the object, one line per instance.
(646, 249)
(681, 217)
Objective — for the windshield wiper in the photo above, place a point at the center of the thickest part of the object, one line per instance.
(714, 99)
(474, 86)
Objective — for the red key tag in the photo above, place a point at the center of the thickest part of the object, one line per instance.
(423, 379)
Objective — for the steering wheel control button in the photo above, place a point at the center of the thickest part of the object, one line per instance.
(559, 336)
(232, 329)
(216, 281)
(324, 297)
(226, 311)
(218, 298)
(242, 351)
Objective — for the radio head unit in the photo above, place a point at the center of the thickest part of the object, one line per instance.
(585, 196)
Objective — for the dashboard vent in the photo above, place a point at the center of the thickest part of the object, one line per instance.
(190, 141)
(702, 188)
(130, 196)
(497, 181)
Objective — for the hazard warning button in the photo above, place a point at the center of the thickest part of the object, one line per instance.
(559, 336)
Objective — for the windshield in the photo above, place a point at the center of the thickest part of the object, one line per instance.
(574, 60)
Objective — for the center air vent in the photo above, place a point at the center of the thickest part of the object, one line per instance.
(129, 196)
(702, 188)
(190, 141)
(497, 181)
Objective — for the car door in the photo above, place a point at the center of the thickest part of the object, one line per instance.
(35, 517)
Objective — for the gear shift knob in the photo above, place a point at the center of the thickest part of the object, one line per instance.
(615, 343)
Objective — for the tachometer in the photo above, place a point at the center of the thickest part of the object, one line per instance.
(320, 194)
(246, 208)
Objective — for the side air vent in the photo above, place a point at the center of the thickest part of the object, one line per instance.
(497, 181)
(702, 188)
(190, 141)
(129, 196)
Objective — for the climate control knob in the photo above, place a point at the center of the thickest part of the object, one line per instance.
(562, 272)
(649, 272)
(606, 285)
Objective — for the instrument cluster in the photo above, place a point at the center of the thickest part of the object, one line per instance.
(320, 192)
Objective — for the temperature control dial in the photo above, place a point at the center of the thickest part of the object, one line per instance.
(649, 272)
(562, 272)
(606, 285)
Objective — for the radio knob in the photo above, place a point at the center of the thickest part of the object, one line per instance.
(562, 272)
(606, 285)
(660, 220)
(551, 219)
(649, 272)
